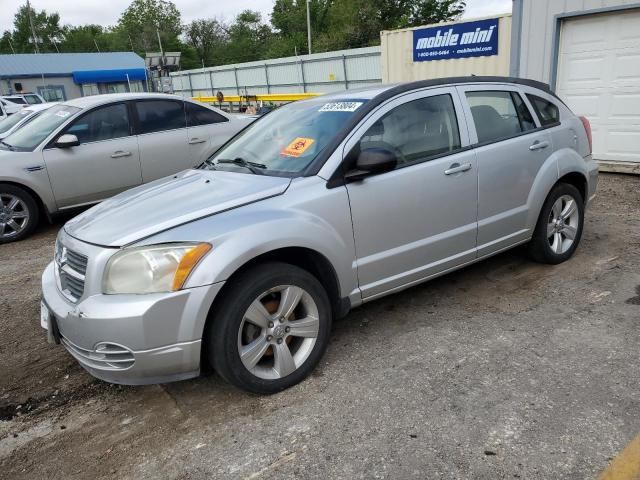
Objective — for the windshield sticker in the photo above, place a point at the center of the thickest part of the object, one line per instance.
(297, 147)
(63, 113)
(340, 107)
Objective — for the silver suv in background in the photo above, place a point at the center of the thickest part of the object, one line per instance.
(316, 208)
(85, 150)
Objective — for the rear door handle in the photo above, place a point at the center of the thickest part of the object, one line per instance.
(120, 153)
(457, 168)
(193, 141)
(538, 145)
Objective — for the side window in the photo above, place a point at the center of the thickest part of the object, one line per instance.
(498, 115)
(198, 115)
(416, 130)
(104, 123)
(548, 113)
(159, 115)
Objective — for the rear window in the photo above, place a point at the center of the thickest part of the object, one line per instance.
(160, 115)
(548, 112)
(198, 115)
(498, 115)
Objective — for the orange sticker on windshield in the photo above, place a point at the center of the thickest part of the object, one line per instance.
(297, 147)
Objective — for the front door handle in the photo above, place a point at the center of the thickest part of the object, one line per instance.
(120, 153)
(193, 141)
(538, 145)
(457, 168)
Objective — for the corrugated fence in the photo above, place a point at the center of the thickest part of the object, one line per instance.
(319, 73)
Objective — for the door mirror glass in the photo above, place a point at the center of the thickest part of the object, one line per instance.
(67, 140)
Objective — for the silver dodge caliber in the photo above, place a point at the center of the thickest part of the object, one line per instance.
(322, 205)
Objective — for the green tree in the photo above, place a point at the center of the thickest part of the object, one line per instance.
(143, 19)
(248, 38)
(47, 29)
(208, 38)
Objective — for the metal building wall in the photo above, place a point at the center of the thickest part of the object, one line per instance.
(398, 65)
(538, 32)
(318, 73)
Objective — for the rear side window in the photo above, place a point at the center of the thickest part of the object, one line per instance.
(198, 115)
(498, 115)
(416, 130)
(160, 115)
(548, 112)
(32, 99)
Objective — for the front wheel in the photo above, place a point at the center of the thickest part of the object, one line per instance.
(18, 213)
(271, 328)
(559, 226)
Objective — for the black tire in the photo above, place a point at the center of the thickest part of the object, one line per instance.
(31, 206)
(539, 248)
(221, 334)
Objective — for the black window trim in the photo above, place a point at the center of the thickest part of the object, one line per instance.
(51, 143)
(137, 117)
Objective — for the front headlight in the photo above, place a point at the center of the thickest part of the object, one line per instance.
(154, 269)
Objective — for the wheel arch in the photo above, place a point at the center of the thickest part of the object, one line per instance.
(306, 258)
(42, 207)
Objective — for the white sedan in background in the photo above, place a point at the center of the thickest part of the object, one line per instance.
(11, 123)
(85, 150)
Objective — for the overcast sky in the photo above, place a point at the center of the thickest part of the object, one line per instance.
(79, 12)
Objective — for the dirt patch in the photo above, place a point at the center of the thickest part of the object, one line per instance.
(505, 369)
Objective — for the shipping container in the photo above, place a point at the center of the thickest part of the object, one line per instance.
(447, 49)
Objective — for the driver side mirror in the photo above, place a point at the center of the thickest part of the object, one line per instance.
(372, 161)
(67, 140)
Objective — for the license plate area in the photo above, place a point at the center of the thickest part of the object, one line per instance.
(48, 322)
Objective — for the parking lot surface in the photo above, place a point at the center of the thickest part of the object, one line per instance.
(506, 369)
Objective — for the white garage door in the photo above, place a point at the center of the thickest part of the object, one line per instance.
(599, 77)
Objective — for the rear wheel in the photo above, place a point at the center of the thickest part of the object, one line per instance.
(271, 328)
(559, 227)
(18, 213)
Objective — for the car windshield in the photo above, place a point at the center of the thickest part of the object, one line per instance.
(31, 135)
(18, 100)
(286, 141)
(12, 120)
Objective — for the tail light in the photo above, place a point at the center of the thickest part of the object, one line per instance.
(587, 128)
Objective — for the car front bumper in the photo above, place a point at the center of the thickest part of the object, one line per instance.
(132, 339)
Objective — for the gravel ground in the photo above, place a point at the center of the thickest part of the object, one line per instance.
(506, 369)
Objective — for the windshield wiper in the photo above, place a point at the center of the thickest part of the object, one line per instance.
(8, 145)
(241, 162)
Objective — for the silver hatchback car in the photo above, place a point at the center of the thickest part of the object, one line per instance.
(85, 150)
(318, 207)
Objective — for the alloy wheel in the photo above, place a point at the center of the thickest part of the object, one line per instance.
(14, 215)
(562, 226)
(278, 332)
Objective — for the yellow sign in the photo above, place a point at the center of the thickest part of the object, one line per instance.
(297, 147)
(332, 77)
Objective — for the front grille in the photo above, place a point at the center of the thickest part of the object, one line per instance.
(72, 268)
(106, 356)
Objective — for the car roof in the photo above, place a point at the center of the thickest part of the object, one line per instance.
(94, 100)
(387, 91)
(36, 107)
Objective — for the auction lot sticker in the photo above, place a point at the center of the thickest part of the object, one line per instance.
(297, 147)
(340, 107)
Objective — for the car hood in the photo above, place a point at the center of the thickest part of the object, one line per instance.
(169, 202)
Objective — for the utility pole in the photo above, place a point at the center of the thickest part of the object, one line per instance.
(161, 52)
(33, 30)
(11, 45)
(54, 44)
(95, 42)
(308, 27)
(131, 42)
